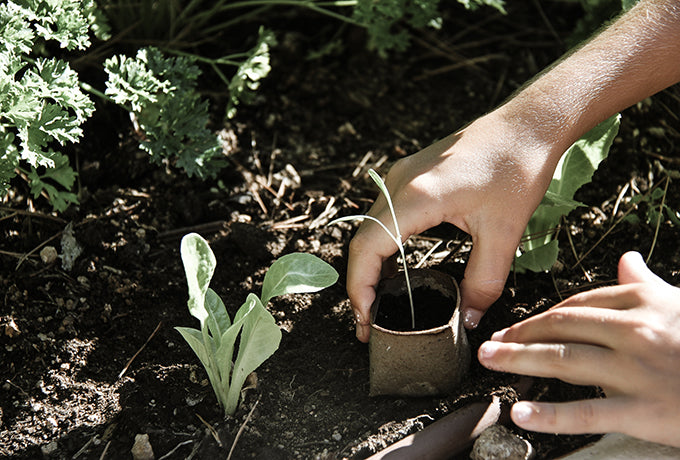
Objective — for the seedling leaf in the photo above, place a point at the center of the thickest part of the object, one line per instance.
(576, 168)
(297, 273)
(260, 338)
(199, 266)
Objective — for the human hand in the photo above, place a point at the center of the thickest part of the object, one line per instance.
(623, 339)
(487, 180)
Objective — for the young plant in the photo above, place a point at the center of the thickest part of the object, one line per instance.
(576, 168)
(214, 343)
(396, 236)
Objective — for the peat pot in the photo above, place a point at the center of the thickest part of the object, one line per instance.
(433, 358)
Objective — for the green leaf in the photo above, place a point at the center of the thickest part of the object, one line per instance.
(539, 259)
(297, 273)
(199, 266)
(576, 168)
(260, 338)
(218, 318)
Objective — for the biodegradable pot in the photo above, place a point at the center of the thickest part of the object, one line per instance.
(428, 361)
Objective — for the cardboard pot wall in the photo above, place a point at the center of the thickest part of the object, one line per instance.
(424, 362)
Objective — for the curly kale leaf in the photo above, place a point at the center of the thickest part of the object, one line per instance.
(170, 114)
(41, 103)
(62, 174)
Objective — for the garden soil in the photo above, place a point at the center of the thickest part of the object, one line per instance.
(89, 354)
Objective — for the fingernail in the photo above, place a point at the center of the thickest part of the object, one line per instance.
(487, 350)
(522, 412)
(498, 335)
(471, 318)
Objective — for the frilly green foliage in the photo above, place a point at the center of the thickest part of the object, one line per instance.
(41, 103)
(170, 114)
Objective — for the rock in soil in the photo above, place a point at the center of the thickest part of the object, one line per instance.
(499, 443)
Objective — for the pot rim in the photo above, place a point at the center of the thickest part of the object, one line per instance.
(432, 331)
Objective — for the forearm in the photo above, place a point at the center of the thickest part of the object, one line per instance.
(635, 57)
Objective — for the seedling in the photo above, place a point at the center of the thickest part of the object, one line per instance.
(260, 337)
(396, 236)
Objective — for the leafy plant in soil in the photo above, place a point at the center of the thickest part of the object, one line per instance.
(396, 236)
(576, 167)
(215, 342)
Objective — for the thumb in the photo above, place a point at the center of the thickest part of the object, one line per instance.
(487, 269)
(632, 269)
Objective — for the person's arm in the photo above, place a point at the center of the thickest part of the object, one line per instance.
(488, 178)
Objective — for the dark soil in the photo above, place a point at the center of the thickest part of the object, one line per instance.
(432, 309)
(89, 355)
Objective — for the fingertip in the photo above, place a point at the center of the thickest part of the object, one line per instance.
(522, 413)
(472, 317)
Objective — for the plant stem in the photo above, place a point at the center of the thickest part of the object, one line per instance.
(397, 238)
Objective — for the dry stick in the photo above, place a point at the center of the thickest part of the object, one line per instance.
(101, 457)
(212, 430)
(140, 350)
(428, 254)
(620, 196)
(240, 430)
(658, 219)
(183, 443)
(573, 251)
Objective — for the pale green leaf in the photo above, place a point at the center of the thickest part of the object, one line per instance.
(297, 273)
(539, 259)
(260, 338)
(199, 266)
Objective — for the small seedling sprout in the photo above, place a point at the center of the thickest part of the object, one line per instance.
(396, 237)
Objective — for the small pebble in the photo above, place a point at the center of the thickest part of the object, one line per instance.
(48, 254)
(142, 450)
(499, 443)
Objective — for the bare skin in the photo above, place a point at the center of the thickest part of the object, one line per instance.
(623, 339)
(487, 180)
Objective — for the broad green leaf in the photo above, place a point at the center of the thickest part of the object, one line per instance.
(195, 340)
(260, 338)
(218, 319)
(199, 266)
(225, 352)
(576, 168)
(297, 273)
(539, 259)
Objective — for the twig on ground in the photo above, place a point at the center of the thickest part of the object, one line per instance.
(140, 350)
(573, 250)
(428, 254)
(32, 214)
(212, 430)
(240, 430)
(101, 457)
(658, 219)
(183, 443)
